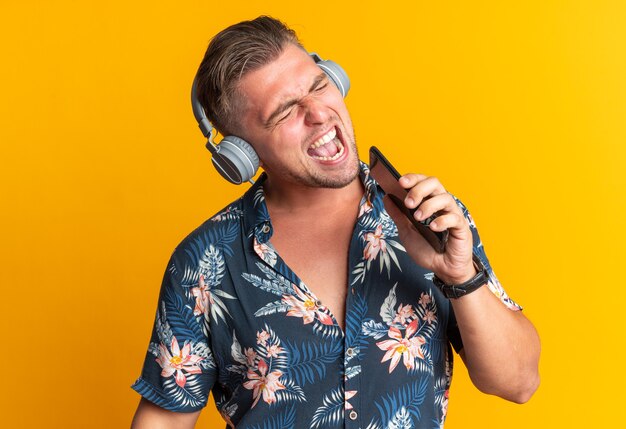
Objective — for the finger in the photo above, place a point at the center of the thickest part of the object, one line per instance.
(412, 240)
(441, 202)
(449, 221)
(409, 180)
(424, 189)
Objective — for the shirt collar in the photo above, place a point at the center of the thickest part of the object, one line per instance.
(257, 221)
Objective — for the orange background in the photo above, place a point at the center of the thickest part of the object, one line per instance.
(519, 108)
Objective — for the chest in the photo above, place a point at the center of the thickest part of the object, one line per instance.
(317, 250)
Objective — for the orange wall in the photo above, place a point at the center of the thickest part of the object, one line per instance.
(519, 108)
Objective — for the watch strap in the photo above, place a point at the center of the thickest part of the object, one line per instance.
(465, 288)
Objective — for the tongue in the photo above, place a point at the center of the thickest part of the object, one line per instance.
(328, 150)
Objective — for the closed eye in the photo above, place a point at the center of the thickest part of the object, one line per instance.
(285, 116)
(321, 87)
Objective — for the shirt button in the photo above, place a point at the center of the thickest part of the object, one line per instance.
(353, 415)
(350, 352)
(318, 303)
(266, 229)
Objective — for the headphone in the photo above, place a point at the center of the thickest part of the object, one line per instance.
(233, 157)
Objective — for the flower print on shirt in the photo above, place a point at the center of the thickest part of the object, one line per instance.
(429, 317)
(424, 300)
(263, 383)
(250, 356)
(262, 337)
(365, 207)
(265, 252)
(274, 350)
(203, 297)
(263, 367)
(375, 243)
(378, 237)
(407, 329)
(408, 347)
(230, 213)
(349, 394)
(177, 361)
(306, 306)
(404, 314)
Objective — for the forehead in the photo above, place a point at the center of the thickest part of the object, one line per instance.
(287, 77)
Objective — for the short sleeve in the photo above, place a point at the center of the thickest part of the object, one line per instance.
(179, 368)
(493, 284)
(479, 250)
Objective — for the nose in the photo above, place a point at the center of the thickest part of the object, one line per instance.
(315, 112)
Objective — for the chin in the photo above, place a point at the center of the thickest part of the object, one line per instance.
(336, 181)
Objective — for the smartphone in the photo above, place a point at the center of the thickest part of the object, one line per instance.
(387, 177)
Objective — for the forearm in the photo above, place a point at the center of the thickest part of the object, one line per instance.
(150, 416)
(500, 346)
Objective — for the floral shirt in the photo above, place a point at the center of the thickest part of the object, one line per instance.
(234, 319)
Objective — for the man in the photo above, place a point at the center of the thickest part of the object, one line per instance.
(308, 303)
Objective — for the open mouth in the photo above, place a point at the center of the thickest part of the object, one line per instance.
(327, 148)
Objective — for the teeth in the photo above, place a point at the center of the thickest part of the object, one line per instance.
(325, 138)
(332, 158)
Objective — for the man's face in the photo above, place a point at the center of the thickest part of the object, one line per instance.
(297, 121)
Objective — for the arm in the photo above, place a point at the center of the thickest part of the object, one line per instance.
(500, 346)
(150, 416)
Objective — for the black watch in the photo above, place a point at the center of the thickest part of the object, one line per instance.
(457, 291)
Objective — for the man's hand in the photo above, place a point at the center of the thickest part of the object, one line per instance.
(454, 266)
(500, 347)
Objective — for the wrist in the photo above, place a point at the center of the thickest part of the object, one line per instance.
(455, 289)
(467, 274)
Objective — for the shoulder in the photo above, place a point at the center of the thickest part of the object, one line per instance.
(227, 223)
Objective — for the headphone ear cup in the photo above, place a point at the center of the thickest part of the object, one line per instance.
(336, 74)
(235, 160)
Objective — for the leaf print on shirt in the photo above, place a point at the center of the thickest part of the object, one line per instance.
(331, 412)
(442, 391)
(273, 283)
(295, 302)
(283, 420)
(402, 407)
(309, 360)
(401, 420)
(202, 279)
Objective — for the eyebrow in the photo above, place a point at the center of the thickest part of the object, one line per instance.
(289, 103)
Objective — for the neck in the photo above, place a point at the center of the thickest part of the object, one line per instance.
(292, 198)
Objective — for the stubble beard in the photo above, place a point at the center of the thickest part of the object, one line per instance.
(317, 179)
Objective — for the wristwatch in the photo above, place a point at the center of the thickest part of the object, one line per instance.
(457, 291)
